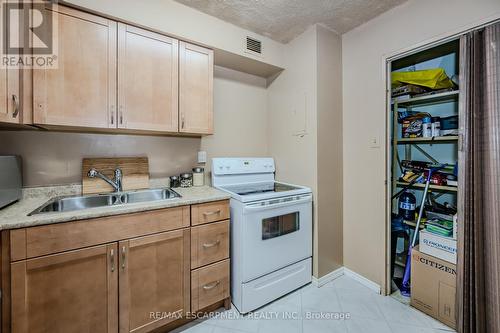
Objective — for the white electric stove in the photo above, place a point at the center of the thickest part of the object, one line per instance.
(271, 231)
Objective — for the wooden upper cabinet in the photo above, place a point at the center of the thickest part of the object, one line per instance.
(154, 278)
(195, 89)
(72, 292)
(9, 85)
(148, 70)
(9, 97)
(81, 92)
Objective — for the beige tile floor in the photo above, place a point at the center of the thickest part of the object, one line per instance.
(304, 311)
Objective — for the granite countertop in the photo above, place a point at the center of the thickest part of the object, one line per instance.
(16, 215)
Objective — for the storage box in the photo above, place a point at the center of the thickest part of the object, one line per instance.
(433, 287)
(441, 247)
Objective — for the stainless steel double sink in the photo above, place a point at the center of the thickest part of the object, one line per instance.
(67, 204)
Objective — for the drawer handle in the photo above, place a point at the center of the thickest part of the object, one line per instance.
(207, 245)
(211, 286)
(215, 212)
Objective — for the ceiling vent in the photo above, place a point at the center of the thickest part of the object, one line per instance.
(253, 46)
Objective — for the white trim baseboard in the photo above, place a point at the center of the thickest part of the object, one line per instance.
(364, 281)
(328, 277)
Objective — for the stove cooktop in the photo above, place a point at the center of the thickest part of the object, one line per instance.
(260, 188)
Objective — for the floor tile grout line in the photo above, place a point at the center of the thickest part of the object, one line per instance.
(381, 311)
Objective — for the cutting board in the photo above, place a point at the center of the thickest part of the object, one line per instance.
(135, 173)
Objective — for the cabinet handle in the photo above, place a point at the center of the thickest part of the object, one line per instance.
(207, 245)
(182, 121)
(123, 257)
(16, 106)
(211, 286)
(121, 114)
(112, 114)
(215, 212)
(112, 255)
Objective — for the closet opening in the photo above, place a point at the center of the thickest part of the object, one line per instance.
(422, 178)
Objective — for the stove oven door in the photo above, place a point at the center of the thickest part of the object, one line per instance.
(276, 233)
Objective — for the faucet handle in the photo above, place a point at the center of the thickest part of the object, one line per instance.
(118, 172)
(92, 173)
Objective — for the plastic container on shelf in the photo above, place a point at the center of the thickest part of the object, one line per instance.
(427, 127)
(436, 126)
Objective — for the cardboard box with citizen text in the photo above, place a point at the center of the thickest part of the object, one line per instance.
(433, 286)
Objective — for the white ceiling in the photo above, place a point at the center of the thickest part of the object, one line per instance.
(282, 20)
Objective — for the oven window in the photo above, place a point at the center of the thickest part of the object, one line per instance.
(273, 227)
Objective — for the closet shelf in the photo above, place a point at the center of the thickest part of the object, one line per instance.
(437, 188)
(438, 98)
(414, 224)
(436, 139)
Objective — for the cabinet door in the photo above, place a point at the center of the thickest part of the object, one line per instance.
(81, 92)
(9, 96)
(196, 89)
(154, 280)
(75, 291)
(147, 80)
(9, 84)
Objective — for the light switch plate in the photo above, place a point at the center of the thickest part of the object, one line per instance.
(374, 142)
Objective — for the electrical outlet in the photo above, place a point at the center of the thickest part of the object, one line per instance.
(202, 157)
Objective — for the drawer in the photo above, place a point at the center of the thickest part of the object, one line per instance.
(209, 212)
(53, 238)
(209, 285)
(209, 243)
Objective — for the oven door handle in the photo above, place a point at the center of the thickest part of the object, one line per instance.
(282, 203)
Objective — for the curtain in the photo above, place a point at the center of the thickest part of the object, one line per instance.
(478, 267)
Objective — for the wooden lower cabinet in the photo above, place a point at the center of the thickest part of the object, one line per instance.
(72, 292)
(209, 285)
(118, 274)
(154, 280)
(209, 243)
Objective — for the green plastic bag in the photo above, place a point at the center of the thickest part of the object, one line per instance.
(431, 78)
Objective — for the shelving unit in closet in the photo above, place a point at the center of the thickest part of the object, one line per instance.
(420, 148)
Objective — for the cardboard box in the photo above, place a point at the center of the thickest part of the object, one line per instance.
(442, 247)
(433, 287)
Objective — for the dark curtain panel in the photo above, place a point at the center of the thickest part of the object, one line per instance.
(478, 271)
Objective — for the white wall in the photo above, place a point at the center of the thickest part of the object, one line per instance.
(240, 116)
(292, 131)
(305, 136)
(364, 113)
(292, 110)
(329, 151)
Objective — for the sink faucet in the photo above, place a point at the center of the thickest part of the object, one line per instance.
(116, 183)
